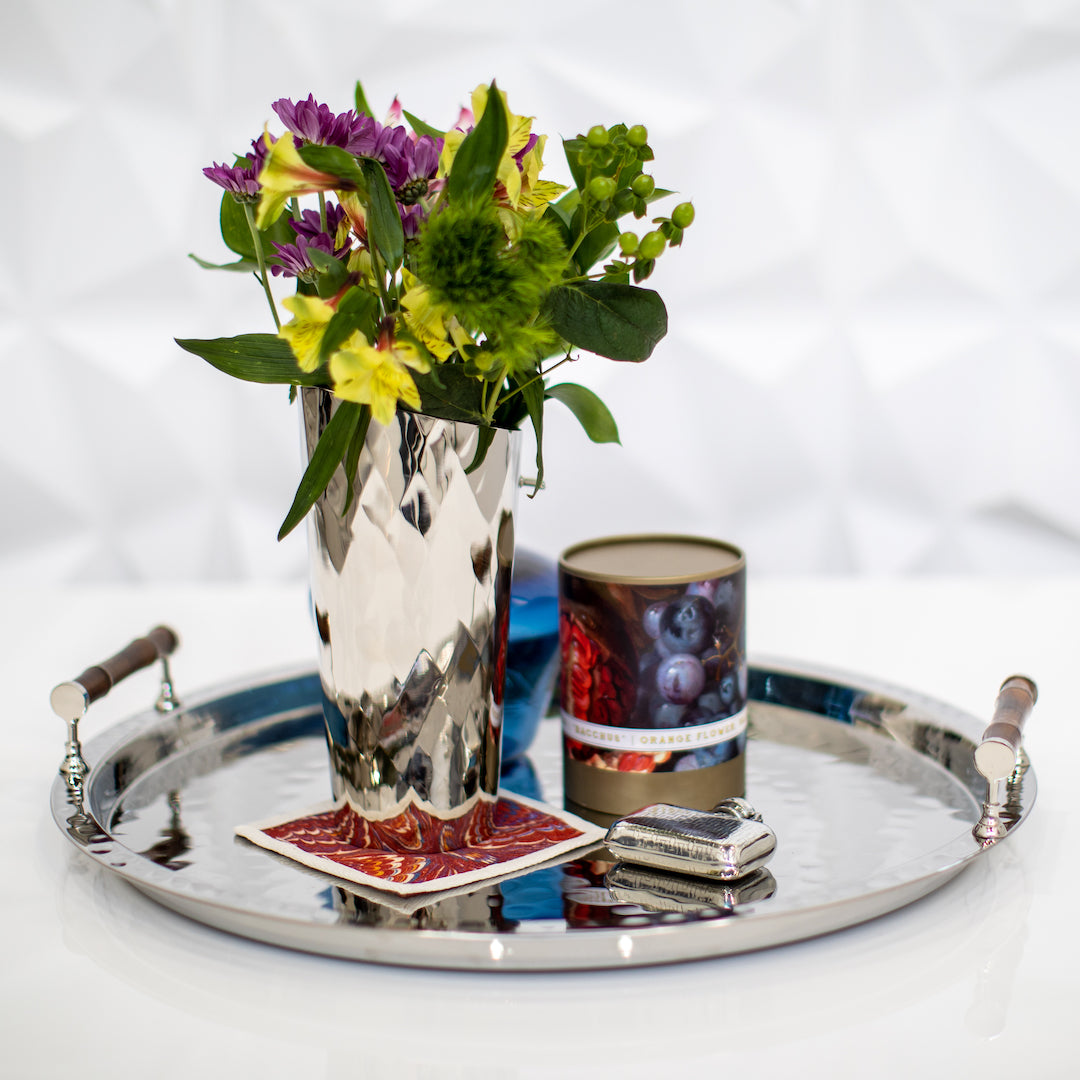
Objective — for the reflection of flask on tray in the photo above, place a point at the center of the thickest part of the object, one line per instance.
(653, 686)
(532, 659)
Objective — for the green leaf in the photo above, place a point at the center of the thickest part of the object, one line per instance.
(598, 244)
(448, 392)
(246, 265)
(352, 455)
(420, 127)
(357, 314)
(237, 234)
(533, 393)
(335, 161)
(329, 451)
(384, 220)
(486, 436)
(234, 228)
(333, 273)
(591, 413)
(362, 105)
(259, 358)
(573, 148)
(476, 164)
(618, 321)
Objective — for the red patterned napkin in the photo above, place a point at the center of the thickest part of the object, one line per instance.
(416, 851)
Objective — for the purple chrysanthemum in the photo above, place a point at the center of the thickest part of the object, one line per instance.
(410, 166)
(238, 180)
(241, 179)
(293, 260)
(309, 223)
(315, 123)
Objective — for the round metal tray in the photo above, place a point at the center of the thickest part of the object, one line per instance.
(870, 789)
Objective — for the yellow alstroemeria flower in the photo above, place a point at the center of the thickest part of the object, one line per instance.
(283, 175)
(536, 193)
(433, 323)
(305, 332)
(377, 375)
(524, 189)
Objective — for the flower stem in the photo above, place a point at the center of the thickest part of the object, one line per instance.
(538, 375)
(489, 396)
(322, 211)
(256, 239)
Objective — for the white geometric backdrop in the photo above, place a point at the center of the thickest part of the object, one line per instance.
(875, 319)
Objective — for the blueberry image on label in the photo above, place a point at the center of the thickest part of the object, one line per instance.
(687, 624)
(680, 678)
(651, 619)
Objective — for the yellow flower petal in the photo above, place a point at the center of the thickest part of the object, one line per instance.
(283, 175)
(374, 377)
(305, 332)
(425, 319)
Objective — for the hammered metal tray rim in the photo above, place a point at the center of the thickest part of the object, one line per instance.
(495, 949)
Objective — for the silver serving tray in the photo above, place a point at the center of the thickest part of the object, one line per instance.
(870, 789)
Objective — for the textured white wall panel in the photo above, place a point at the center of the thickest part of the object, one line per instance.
(872, 364)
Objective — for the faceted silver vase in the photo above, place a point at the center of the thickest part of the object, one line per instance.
(410, 591)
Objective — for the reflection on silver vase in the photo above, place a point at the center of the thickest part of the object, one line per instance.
(410, 591)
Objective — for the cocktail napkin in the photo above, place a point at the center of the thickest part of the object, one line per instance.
(415, 851)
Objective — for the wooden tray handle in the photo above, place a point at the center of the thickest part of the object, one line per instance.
(70, 700)
(999, 748)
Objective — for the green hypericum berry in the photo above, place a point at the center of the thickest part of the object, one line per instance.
(597, 136)
(601, 188)
(651, 246)
(683, 215)
(628, 243)
(624, 201)
(643, 186)
(637, 135)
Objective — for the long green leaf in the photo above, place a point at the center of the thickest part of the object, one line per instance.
(621, 322)
(485, 438)
(359, 97)
(352, 455)
(244, 265)
(591, 413)
(259, 358)
(420, 127)
(533, 393)
(476, 164)
(384, 222)
(329, 451)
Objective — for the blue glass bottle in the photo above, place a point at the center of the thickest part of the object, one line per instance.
(532, 658)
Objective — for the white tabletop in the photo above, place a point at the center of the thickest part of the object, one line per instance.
(981, 977)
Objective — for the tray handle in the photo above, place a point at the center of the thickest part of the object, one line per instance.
(998, 752)
(70, 700)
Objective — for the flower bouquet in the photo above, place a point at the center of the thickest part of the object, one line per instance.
(438, 271)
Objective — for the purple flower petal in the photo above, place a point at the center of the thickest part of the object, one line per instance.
(315, 123)
(237, 179)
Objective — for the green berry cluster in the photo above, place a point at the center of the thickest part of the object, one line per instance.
(608, 165)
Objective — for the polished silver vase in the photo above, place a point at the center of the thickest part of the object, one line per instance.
(410, 591)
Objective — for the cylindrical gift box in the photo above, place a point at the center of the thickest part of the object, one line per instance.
(653, 673)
